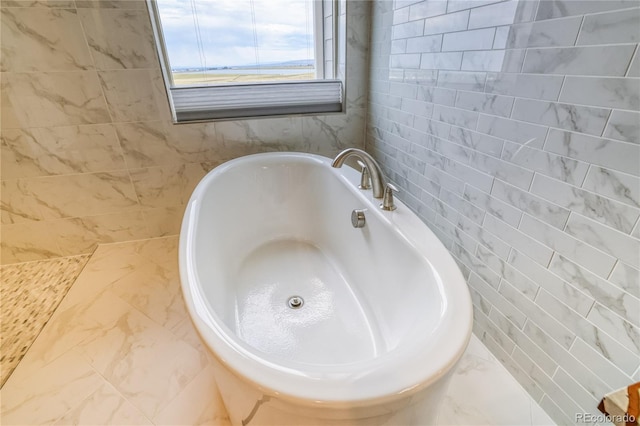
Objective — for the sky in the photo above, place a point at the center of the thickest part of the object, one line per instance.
(283, 30)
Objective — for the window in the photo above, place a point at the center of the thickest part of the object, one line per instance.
(247, 58)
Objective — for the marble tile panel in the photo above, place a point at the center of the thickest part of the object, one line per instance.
(462, 80)
(63, 4)
(623, 246)
(594, 206)
(16, 204)
(559, 32)
(60, 150)
(610, 92)
(583, 254)
(82, 194)
(130, 95)
(627, 278)
(558, 8)
(634, 68)
(111, 4)
(446, 23)
(500, 39)
(624, 359)
(548, 212)
(512, 130)
(426, 9)
(623, 126)
(621, 330)
(167, 186)
(163, 221)
(518, 240)
(408, 29)
(53, 38)
(119, 38)
(611, 28)
(485, 103)
(544, 87)
(607, 153)
(559, 167)
(592, 60)
(503, 13)
(52, 99)
(47, 396)
(565, 116)
(478, 141)
(469, 40)
(492, 205)
(27, 241)
(424, 44)
(82, 234)
(441, 61)
(616, 185)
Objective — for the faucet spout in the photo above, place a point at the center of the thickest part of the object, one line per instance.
(377, 178)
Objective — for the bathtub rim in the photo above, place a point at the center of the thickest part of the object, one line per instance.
(320, 386)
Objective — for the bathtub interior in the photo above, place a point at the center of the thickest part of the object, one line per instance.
(283, 229)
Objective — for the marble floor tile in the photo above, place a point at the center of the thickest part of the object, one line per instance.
(31, 292)
(121, 349)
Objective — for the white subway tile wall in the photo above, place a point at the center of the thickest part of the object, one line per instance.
(512, 129)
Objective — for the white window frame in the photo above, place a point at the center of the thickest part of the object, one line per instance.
(323, 95)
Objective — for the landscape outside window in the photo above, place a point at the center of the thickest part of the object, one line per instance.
(213, 42)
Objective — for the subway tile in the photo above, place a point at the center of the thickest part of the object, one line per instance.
(559, 32)
(462, 80)
(455, 116)
(566, 116)
(441, 61)
(585, 255)
(437, 95)
(500, 344)
(623, 126)
(50, 151)
(563, 168)
(607, 153)
(404, 61)
(119, 38)
(624, 359)
(484, 60)
(594, 60)
(398, 46)
(503, 13)
(456, 5)
(469, 40)
(478, 141)
(558, 8)
(400, 16)
(52, 99)
(611, 28)
(515, 131)
(627, 278)
(492, 205)
(592, 205)
(610, 92)
(498, 301)
(622, 246)
(518, 240)
(424, 44)
(634, 68)
(544, 87)
(427, 8)
(616, 185)
(43, 39)
(548, 212)
(526, 286)
(446, 23)
(408, 29)
(501, 37)
(485, 103)
(620, 329)
(500, 169)
(587, 401)
(602, 367)
(421, 77)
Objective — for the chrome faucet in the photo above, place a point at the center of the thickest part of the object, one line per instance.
(377, 179)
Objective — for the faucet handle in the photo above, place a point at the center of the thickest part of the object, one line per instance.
(387, 199)
(365, 178)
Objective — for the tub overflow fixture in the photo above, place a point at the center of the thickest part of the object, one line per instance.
(295, 302)
(357, 218)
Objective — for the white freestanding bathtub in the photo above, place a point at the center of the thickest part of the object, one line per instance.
(385, 312)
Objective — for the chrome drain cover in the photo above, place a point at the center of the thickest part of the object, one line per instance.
(295, 302)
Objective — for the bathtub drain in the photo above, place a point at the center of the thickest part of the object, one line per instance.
(295, 302)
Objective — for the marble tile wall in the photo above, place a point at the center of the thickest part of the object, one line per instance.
(512, 129)
(88, 150)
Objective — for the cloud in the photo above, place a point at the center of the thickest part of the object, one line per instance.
(283, 31)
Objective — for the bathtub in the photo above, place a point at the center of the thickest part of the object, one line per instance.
(309, 319)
